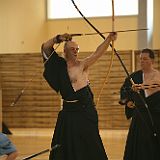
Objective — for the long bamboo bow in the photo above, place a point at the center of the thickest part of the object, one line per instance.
(125, 69)
(122, 64)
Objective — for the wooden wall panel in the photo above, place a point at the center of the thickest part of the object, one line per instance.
(111, 114)
(39, 104)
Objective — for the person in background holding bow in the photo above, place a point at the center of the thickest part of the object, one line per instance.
(76, 129)
(143, 141)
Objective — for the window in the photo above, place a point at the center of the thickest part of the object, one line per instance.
(61, 9)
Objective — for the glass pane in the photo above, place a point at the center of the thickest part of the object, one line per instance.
(58, 9)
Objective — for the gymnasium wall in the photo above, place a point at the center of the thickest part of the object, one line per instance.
(38, 105)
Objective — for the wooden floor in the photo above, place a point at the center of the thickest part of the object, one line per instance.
(31, 141)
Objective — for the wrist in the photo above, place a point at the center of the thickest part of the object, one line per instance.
(54, 40)
(109, 38)
(58, 39)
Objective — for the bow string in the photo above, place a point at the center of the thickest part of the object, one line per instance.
(112, 57)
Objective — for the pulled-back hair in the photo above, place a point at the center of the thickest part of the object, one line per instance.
(149, 51)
